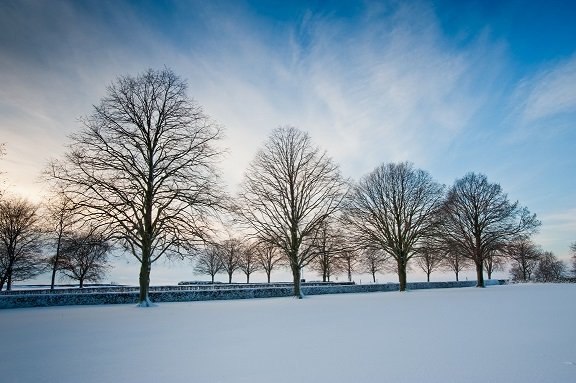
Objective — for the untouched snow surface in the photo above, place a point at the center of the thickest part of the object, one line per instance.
(517, 333)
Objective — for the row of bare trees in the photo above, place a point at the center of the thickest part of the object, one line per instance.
(34, 239)
(142, 172)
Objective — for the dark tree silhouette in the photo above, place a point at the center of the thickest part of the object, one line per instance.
(209, 262)
(20, 242)
(494, 261)
(143, 169)
(60, 221)
(289, 190)
(549, 269)
(524, 256)
(85, 257)
(394, 208)
(478, 219)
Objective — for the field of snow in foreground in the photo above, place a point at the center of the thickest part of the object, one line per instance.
(517, 333)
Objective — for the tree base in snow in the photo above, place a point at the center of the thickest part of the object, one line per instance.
(146, 303)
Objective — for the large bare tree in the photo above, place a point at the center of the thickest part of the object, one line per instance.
(20, 241)
(478, 219)
(143, 168)
(394, 208)
(429, 259)
(289, 190)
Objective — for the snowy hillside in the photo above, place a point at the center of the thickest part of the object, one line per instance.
(517, 333)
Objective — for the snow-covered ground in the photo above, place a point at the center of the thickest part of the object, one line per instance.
(517, 333)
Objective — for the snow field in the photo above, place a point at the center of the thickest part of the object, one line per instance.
(515, 333)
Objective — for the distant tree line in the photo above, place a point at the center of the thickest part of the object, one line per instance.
(142, 176)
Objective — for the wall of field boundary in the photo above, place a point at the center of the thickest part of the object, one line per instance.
(175, 294)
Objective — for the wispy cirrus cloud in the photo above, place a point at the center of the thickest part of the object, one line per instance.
(550, 92)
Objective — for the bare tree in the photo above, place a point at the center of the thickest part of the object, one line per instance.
(143, 168)
(20, 242)
(349, 260)
(524, 255)
(549, 269)
(209, 262)
(454, 261)
(373, 261)
(85, 257)
(479, 218)
(494, 261)
(60, 221)
(249, 261)
(328, 249)
(269, 257)
(394, 208)
(230, 251)
(428, 259)
(289, 190)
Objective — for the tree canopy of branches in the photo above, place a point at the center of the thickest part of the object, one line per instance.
(209, 262)
(454, 261)
(143, 168)
(269, 257)
(478, 219)
(549, 269)
(349, 258)
(394, 209)
(85, 257)
(20, 242)
(524, 255)
(289, 190)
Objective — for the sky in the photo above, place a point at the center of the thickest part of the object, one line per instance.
(452, 86)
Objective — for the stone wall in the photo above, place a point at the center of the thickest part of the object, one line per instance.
(174, 294)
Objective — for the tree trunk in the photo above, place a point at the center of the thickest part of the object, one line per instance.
(268, 275)
(81, 280)
(349, 275)
(296, 276)
(402, 275)
(212, 275)
(56, 259)
(456, 272)
(247, 278)
(428, 277)
(374, 277)
(9, 281)
(479, 274)
(230, 278)
(143, 299)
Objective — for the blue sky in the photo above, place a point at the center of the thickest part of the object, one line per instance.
(453, 86)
